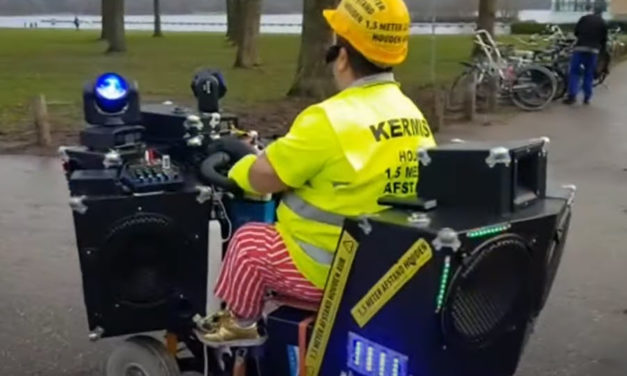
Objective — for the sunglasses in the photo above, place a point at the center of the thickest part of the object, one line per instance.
(333, 53)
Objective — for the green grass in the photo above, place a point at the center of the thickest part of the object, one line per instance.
(57, 63)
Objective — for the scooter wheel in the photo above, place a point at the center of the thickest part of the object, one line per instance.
(141, 356)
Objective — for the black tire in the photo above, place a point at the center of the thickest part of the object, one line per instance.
(562, 69)
(456, 94)
(600, 79)
(561, 87)
(603, 68)
(561, 84)
(484, 91)
(534, 88)
(141, 356)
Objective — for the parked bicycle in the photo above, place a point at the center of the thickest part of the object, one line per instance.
(526, 84)
(557, 49)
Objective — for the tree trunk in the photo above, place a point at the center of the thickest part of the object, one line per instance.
(231, 20)
(105, 11)
(487, 15)
(313, 76)
(239, 21)
(157, 11)
(249, 24)
(486, 19)
(117, 39)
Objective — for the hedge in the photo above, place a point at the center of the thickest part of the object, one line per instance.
(539, 28)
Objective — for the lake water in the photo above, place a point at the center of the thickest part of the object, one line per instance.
(270, 24)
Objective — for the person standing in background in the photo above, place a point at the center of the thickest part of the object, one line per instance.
(591, 33)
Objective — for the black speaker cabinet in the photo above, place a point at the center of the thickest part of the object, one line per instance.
(495, 176)
(143, 260)
(450, 292)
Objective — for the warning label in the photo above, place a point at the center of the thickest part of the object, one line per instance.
(395, 278)
(333, 292)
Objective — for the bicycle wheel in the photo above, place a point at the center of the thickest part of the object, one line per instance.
(600, 79)
(534, 88)
(487, 84)
(457, 92)
(561, 82)
(603, 68)
(562, 67)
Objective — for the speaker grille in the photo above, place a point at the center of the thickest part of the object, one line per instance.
(489, 292)
(142, 255)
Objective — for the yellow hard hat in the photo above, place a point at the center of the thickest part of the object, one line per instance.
(378, 29)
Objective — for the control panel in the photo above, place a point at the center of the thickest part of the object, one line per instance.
(152, 177)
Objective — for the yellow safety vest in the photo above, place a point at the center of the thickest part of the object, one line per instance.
(379, 131)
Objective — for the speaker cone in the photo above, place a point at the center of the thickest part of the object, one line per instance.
(489, 293)
(142, 255)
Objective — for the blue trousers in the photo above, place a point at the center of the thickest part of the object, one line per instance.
(589, 62)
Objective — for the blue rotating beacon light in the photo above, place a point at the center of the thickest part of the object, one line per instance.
(112, 112)
(111, 93)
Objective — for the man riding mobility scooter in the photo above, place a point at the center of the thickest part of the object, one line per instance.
(449, 282)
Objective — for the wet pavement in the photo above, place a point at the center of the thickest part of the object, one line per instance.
(582, 332)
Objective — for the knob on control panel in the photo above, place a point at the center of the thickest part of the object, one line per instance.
(142, 177)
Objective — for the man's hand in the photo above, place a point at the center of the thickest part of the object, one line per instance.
(263, 178)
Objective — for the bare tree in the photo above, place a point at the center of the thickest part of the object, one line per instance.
(231, 19)
(248, 33)
(116, 34)
(313, 78)
(105, 13)
(157, 11)
(487, 15)
(486, 20)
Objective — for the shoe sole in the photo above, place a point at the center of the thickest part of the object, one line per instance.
(234, 343)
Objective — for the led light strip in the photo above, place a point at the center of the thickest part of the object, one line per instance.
(489, 230)
(443, 283)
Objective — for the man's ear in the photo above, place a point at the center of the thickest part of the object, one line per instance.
(342, 61)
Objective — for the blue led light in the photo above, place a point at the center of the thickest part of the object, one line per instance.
(368, 358)
(358, 347)
(111, 86)
(395, 367)
(111, 92)
(382, 364)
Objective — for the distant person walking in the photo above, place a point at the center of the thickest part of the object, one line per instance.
(591, 33)
(77, 23)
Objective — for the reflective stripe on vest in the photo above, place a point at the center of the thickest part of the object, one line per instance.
(320, 255)
(312, 213)
(308, 211)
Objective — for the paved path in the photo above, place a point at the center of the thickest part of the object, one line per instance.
(582, 332)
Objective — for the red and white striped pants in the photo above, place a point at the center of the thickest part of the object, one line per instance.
(257, 261)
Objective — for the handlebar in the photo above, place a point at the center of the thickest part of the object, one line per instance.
(209, 172)
(222, 154)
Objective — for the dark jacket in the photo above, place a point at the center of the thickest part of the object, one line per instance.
(591, 33)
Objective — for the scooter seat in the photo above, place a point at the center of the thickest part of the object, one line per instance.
(288, 301)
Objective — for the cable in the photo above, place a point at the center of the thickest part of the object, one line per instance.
(205, 350)
(228, 221)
